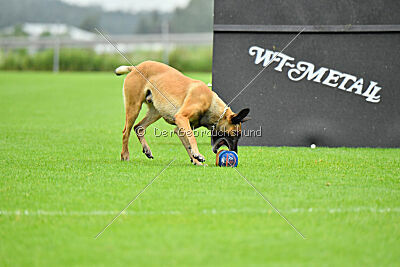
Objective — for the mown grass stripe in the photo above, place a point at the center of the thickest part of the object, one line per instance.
(209, 211)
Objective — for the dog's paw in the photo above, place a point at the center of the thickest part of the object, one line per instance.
(148, 153)
(196, 162)
(199, 157)
(124, 156)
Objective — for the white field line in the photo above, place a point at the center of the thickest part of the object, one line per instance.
(209, 211)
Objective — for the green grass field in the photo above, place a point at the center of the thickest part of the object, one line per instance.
(62, 181)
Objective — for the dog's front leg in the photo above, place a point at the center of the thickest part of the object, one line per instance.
(184, 128)
(185, 143)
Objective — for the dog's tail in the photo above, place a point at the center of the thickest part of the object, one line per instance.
(123, 70)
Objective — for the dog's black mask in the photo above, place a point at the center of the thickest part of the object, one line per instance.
(220, 138)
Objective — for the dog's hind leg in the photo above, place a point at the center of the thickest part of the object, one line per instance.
(132, 111)
(152, 116)
(133, 99)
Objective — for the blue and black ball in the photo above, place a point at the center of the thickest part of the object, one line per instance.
(226, 158)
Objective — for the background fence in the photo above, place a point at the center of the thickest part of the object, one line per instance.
(187, 52)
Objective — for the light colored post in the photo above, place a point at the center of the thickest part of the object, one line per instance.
(165, 34)
(56, 55)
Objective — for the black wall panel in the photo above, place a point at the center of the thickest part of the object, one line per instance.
(307, 12)
(300, 113)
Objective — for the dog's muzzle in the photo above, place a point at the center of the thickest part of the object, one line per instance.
(222, 140)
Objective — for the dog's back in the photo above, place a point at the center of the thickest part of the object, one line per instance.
(168, 87)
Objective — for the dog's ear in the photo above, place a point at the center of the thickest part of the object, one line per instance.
(240, 117)
(246, 119)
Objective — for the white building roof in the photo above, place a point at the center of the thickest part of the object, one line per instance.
(37, 29)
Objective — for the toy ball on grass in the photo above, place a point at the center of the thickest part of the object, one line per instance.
(227, 158)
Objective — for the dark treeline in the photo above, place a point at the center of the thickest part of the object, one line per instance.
(195, 17)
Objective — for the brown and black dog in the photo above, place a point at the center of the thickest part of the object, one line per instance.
(180, 101)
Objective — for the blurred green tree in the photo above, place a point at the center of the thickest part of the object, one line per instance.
(197, 16)
(90, 22)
